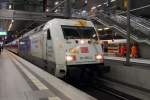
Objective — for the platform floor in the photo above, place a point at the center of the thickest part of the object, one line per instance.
(18, 83)
(14, 85)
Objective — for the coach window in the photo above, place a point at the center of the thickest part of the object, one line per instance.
(48, 35)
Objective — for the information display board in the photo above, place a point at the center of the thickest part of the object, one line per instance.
(3, 33)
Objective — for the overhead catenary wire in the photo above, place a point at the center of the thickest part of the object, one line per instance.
(58, 5)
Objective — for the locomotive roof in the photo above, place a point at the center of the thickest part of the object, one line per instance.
(41, 27)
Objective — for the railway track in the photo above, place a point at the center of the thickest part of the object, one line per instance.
(98, 89)
(114, 94)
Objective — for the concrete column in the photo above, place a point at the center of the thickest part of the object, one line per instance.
(44, 5)
(89, 6)
(68, 8)
(128, 35)
(109, 7)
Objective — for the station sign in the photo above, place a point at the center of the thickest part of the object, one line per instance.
(3, 33)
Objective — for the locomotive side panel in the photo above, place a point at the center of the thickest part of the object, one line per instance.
(58, 48)
(24, 46)
(37, 45)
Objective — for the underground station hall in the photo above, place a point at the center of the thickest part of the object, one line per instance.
(74, 49)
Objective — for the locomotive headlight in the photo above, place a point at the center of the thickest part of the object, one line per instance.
(69, 58)
(99, 57)
(82, 41)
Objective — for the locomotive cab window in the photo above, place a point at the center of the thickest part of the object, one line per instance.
(48, 35)
(76, 32)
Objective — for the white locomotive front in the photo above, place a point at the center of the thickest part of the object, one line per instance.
(75, 44)
(81, 45)
(61, 44)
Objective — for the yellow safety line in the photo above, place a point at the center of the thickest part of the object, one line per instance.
(54, 98)
(34, 80)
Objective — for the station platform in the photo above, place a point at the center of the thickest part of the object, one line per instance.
(21, 80)
(132, 80)
(135, 61)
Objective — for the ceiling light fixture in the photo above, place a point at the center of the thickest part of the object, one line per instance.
(56, 3)
(107, 28)
(84, 11)
(12, 20)
(113, 0)
(93, 8)
(47, 10)
(11, 24)
(56, 11)
(99, 5)
(105, 3)
(10, 7)
(100, 29)
(85, 1)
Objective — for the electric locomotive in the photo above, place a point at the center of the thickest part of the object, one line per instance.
(61, 44)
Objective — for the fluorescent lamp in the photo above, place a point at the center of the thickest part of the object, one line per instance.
(12, 20)
(113, 0)
(10, 6)
(105, 3)
(94, 35)
(93, 8)
(106, 28)
(84, 11)
(56, 3)
(100, 29)
(99, 5)
(47, 10)
(10, 27)
(56, 10)
(85, 1)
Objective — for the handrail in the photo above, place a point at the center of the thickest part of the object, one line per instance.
(138, 28)
(121, 30)
(146, 29)
(141, 20)
(136, 23)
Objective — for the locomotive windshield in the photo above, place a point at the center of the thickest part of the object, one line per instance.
(76, 32)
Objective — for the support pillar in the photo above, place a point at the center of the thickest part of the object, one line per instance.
(128, 35)
(44, 5)
(89, 7)
(109, 7)
(68, 8)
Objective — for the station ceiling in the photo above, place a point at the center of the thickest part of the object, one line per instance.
(34, 10)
